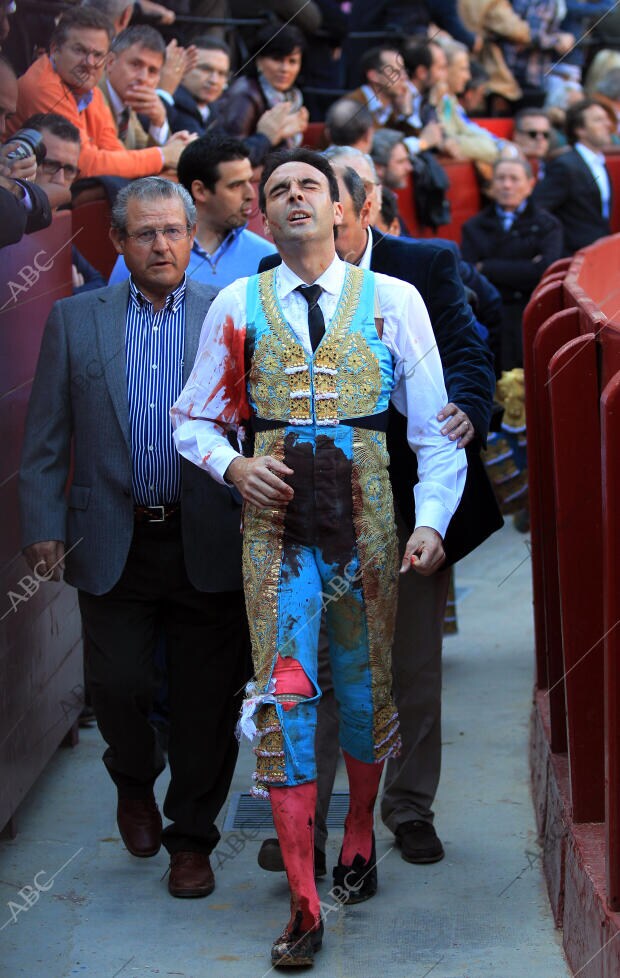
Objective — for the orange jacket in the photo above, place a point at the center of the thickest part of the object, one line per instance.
(102, 153)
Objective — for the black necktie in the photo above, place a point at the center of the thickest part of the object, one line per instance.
(316, 323)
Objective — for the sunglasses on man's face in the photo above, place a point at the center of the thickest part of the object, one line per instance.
(536, 133)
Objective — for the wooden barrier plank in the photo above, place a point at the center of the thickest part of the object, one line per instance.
(553, 333)
(610, 428)
(543, 304)
(577, 467)
(91, 223)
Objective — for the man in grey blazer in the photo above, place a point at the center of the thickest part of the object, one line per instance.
(150, 541)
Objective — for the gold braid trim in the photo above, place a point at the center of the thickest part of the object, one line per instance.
(373, 519)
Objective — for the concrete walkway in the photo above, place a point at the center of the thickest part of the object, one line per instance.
(480, 913)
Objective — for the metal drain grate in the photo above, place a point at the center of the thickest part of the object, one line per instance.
(245, 812)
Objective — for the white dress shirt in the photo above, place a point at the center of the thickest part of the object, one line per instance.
(596, 165)
(215, 391)
(159, 134)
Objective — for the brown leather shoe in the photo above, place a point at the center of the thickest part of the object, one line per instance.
(190, 875)
(139, 824)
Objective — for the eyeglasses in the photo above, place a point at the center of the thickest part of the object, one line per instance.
(172, 234)
(81, 52)
(536, 133)
(52, 167)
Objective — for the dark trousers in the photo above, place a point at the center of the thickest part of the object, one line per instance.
(208, 662)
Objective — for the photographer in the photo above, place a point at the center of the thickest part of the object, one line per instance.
(24, 207)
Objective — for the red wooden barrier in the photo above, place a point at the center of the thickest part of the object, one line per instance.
(504, 128)
(40, 645)
(544, 303)
(577, 483)
(91, 223)
(610, 422)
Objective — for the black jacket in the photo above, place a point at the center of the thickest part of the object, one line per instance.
(468, 375)
(185, 114)
(514, 260)
(16, 220)
(569, 191)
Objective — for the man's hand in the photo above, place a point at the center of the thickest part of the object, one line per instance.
(77, 279)
(21, 169)
(175, 146)
(564, 42)
(257, 481)
(424, 552)
(157, 11)
(178, 61)
(145, 100)
(431, 135)
(47, 559)
(459, 426)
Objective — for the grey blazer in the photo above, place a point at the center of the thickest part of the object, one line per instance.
(79, 403)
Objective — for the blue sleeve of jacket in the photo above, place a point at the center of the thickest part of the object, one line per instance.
(92, 278)
(444, 13)
(120, 272)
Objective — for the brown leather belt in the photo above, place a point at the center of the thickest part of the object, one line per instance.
(156, 514)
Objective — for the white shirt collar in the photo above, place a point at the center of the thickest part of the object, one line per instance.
(330, 281)
(116, 102)
(364, 261)
(590, 155)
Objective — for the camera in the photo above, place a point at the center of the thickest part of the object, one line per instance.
(26, 142)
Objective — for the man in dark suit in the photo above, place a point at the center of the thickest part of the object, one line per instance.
(150, 542)
(576, 186)
(412, 779)
(512, 242)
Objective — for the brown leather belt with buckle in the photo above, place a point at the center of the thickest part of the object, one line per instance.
(155, 514)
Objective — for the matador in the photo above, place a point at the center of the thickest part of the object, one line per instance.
(303, 361)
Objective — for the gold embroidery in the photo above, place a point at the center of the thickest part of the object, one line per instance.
(345, 374)
(373, 518)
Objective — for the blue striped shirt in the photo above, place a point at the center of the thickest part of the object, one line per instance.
(154, 345)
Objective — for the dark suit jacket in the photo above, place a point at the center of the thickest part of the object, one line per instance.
(569, 191)
(468, 375)
(506, 257)
(79, 402)
(16, 220)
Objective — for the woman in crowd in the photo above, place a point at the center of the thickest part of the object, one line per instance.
(269, 81)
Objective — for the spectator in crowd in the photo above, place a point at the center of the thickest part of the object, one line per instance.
(602, 63)
(474, 95)
(532, 63)
(532, 135)
(347, 123)
(24, 207)
(120, 12)
(512, 241)
(426, 67)
(464, 140)
(391, 159)
(148, 539)
(412, 778)
(7, 7)
(406, 20)
(189, 106)
(576, 186)
(59, 169)
(384, 90)
(495, 20)
(66, 82)
(388, 219)
(129, 87)
(217, 172)
(268, 84)
(342, 156)
(607, 92)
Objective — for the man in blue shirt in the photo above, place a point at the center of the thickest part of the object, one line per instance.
(217, 173)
